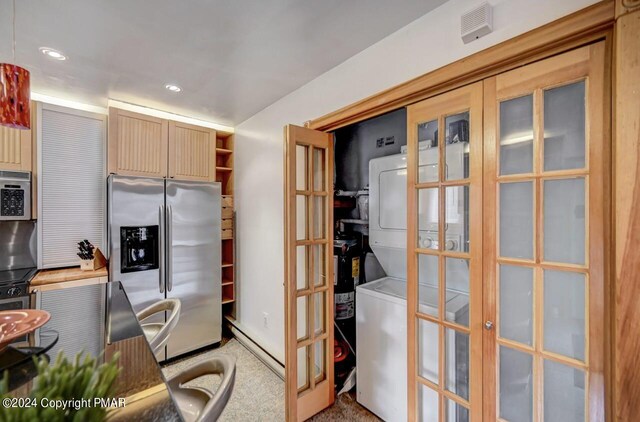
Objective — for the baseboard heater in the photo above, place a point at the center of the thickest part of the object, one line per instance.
(265, 357)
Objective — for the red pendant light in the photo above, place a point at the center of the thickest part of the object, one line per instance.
(14, 97)
(15, 93)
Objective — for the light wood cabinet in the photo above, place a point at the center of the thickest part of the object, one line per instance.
(192, 152)
(15, 149)
(147, 146)
(137, 144)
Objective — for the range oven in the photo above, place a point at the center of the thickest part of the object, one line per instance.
(17, 263)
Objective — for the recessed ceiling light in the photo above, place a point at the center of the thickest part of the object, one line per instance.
(54, 54)
(173, 88)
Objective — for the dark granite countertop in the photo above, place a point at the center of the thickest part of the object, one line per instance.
(140, 382)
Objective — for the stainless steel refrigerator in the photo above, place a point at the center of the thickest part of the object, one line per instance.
(164, 242)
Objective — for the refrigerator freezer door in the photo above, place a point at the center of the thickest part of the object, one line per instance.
(193, 263)
(136, 214)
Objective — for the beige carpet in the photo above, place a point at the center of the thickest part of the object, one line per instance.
(258, 394)
(345, 408)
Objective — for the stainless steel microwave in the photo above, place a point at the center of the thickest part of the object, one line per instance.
(15, 195)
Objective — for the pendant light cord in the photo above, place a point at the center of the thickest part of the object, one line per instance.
(14, 31)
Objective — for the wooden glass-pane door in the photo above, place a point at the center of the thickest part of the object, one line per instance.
(309, 272)
(444, 249)
(544, 240)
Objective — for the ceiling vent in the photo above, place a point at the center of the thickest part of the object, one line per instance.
(477, 23)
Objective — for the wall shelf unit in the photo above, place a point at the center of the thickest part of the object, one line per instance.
(224, 175)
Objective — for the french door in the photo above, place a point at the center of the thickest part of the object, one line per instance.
(506, 235)
(309, 272)
(444, 250)
(544, 241)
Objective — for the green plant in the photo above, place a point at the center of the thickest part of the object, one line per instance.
(63, 383)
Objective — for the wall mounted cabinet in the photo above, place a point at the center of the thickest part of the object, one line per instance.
(137, 144)
(15, 149)
(192, 152)
(147, 146)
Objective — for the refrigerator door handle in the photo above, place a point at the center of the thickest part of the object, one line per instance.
(161, 248)
(169, 248)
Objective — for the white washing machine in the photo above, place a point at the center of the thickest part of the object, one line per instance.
(381, 345)
(381, 306)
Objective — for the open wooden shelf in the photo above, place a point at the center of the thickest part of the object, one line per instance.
(224, 175)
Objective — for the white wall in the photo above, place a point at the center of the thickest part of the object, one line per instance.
(426, 44)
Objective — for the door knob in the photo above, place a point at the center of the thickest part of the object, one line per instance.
(488, 325)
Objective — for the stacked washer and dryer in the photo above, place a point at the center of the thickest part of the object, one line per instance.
(381, 311)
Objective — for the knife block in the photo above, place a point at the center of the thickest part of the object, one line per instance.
(96, 263)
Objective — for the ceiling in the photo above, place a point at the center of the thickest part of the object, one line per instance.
(232, 58)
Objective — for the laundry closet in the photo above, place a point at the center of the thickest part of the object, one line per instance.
(451, 250)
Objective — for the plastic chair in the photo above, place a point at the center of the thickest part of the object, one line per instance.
(200, 403)
(157, 333)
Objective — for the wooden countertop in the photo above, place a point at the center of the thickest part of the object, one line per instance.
(66, 274)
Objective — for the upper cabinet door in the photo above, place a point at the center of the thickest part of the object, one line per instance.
(192, 152)
(137, 144)
(15, 149)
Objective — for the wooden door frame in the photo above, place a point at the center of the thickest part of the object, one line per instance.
(616, 22)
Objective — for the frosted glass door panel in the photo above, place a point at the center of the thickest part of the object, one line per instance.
(429, 404)
(428, 217)
(301, 167)
(457, 218)
(457, 362)
(428, 151)
(301, 268)
(516, 304)
(303, 366)
(564, 221)
(456, 278)
(455, 412)
(318, 169)
(516, 385)
(428, 357)
(564, 127)
(516, 220)
(428, 284)
(301, 308)
(564, 313)
(457, 146)
(301, 217)
(564, 393)
(516, 135)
